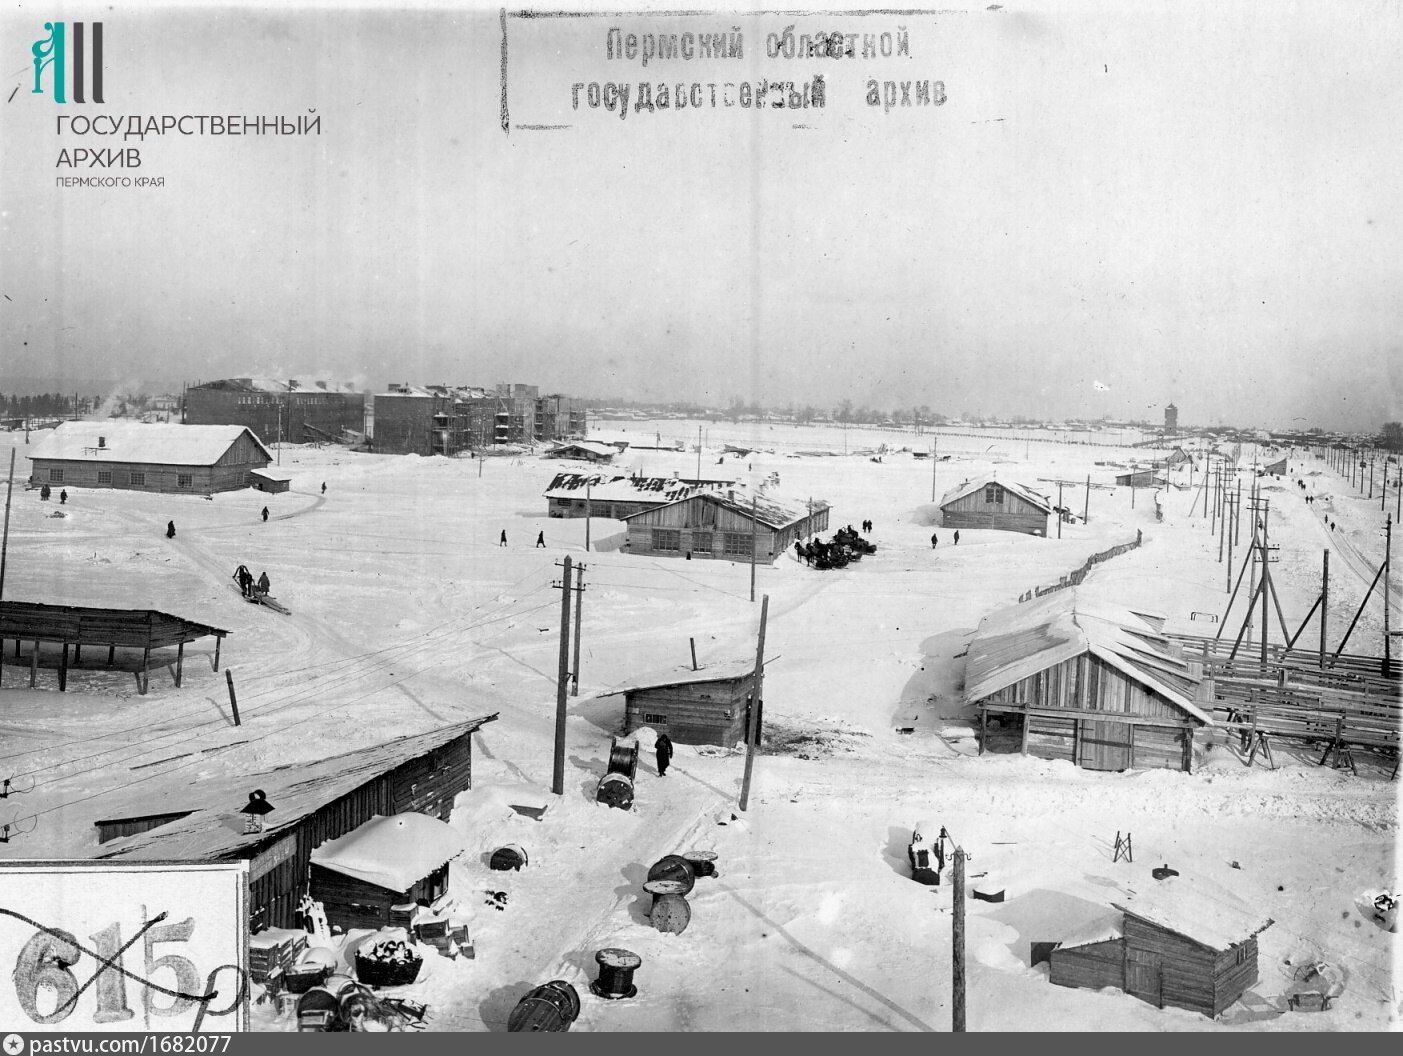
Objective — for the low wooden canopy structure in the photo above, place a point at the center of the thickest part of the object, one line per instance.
(1097, 686)
(313, 802)
(77, 626)
(1182, 941)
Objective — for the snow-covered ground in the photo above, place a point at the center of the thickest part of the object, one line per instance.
(406, 615)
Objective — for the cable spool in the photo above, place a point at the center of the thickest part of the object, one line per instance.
(616, 790)
(671, 913)
(703, 863)
(616, 968)
(674, 867)
(551, 1007)
(623, 759)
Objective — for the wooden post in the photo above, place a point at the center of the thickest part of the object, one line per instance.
(63, 668)
(558, 778)
(111, 654)
(218, 641)
(983, 728)
(179, 663)
(693, 643)
(34, 666)
(1059, 509)
(587, 513)
(754, 526)
(752, 731)
(233, 701)
(1388, 549)
(1324, 604)
(1086, 510)
(145, 669)
(1266, 579)
(579, 604)
(957, 953)
(5, 540)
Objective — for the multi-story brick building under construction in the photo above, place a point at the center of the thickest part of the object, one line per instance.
(292, 411)
(449, 419)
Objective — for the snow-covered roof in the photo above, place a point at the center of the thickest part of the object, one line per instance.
(591, 447)
(767, 511)
(298, 385)
(1197, 908)
(281, 476)
(162, 443)
(1100, 928)
(617, 488)
(214, 830)
(685, 676)
(1021, 640)
(1024, 492)
(394, 853)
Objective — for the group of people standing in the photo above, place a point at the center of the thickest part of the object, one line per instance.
(934, 539)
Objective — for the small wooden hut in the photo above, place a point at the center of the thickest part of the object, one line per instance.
(373, 876)
(1142, 478)
(707, 706)
(999, 504)
(273, 481)
(1185, 942)
(1099, 687)
(584, 451)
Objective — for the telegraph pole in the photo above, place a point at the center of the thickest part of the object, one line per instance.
(1086, 510)
(1059, 509)
(752, 725)
(957, 953)
(932, 470)
(699, 447)
(563, 677)
(587, 512)
(754, 526)
(1388, 550)
(579, 605)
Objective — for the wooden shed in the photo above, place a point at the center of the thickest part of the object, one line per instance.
(133, 456)
(373, 875)
(707, 706)
(1142, 478)
(75, 626)
(999, 504)
(584, 450)
(726, 526)
(274, 482)
(1182, 941)
(1099, 687)
(312, 803)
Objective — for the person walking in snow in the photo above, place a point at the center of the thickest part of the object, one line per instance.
(263, 583)
(663, 747)
(63, 496)
(504, 538)
(265, 514)
(933, 540)
(170, 529)
(957, 538)
(540, 539)
(323, 487)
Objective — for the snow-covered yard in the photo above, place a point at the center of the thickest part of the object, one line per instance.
(406, 615)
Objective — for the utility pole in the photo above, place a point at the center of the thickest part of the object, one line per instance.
(699, 447)
(587, 513)
(932, 470)
(752, 725)
(563, 676)
(1227, 587)
(1059, 509)
(1266, 578)
(1388, 550)
(754, 526)
(1086, 510)
(1325, 604)
(957, 953)
(579, 605)
(5, 542)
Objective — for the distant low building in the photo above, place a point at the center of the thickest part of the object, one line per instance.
(610, 496)
(1142, 478)
(584, 451)
(998, 504)
(724, 525)
(291, 411)
(199, 459)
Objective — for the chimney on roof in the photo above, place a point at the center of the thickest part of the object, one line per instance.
(102, 441)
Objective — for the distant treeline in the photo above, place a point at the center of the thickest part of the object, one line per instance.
(46, 405)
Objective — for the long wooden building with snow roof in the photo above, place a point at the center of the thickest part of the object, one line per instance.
(727, 526)
(1002, 505)
(1096, 686)
(134, 456)
(312, 803)
(610, 495)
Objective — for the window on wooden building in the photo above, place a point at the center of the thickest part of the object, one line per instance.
(184, 480)
(737, 544)
(993, 493)
(667, 539)
(104, 476)
(701, 542)
(138, 480)
(56, 476)
(652, 718)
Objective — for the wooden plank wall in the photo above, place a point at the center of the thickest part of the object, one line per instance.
(1187, 968)
(1158, 747)
(706, 713)
(1232, 977)
(164, 479)
(353, 903)
(1090, 683)
(1052, 737)
(1092, 966)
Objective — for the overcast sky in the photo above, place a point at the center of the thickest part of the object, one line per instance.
(1118, 206)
